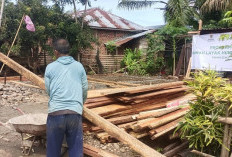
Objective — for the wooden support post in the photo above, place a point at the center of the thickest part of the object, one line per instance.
(113, 130)
(189, 68)
(200, 25)
(224, 150)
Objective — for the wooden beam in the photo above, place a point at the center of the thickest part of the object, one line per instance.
(226, 120)
(113, 130)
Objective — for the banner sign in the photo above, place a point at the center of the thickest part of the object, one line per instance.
(212, 51)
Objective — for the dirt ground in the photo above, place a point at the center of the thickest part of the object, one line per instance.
(10, 141)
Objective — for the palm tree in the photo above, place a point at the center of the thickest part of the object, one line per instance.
(218, 5)
(176, 12)
(136, 4)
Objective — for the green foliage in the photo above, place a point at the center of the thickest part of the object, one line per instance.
(212, 94)
(111, 47)
(171, 37)
(177, 12)
(50, 22)
(134, 62)
(156, 45)
(138, 63)
(227, 20)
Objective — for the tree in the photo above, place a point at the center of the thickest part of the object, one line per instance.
(50, 22)
(62, 3)
(176, 12)
(135, 4)
(216, 5)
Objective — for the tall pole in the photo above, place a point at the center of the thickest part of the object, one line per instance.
(1, 13)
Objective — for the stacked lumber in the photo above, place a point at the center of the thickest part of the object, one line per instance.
(96, 152)
(153, 110)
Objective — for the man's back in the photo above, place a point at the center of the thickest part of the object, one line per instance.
(66, 84)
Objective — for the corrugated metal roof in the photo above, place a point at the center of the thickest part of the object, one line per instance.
(119, 42)
(99, 18)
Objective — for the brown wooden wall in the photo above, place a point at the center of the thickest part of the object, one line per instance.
(110, 63)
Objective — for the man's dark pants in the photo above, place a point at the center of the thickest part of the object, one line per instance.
(60, 125)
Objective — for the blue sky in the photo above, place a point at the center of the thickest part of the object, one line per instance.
(144, 17)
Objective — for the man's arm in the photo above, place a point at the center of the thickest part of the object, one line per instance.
(84, 85)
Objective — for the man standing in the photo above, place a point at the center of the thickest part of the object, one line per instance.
(66, 84)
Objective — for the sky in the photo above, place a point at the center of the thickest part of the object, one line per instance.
(143, 17)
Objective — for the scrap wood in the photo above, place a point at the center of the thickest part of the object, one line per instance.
(155, 122)
(138, 108)
(226, 120)
(156, 113)
(139, 134)
(112, 108)
(171, 146)
(169, 117)
(148, 95)
(176, 149)
(201, 153)
(96, 152)
(164, 132)
(99, 104)
(113, 130)
(132, 90)
(154, 87)
(164, 127)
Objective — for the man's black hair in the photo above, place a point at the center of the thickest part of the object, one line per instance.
(61, 45)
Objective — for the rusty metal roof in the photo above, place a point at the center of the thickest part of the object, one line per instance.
(121, 41)
(100, 19)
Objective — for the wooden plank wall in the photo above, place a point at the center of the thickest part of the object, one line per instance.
(45, 59)
(110, 63)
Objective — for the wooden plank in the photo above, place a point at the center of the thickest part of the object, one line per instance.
(164, 127)
(156, 113)
(155, 87)
(171, 146)
(99, 104)
(161, 120)
(152, 94)
(176, 149)
(169, 117)
(96, 152)
(112, 108)
(164, 132)
(180, 62)
(113, 130)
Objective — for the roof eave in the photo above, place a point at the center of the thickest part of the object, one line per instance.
(116, 29)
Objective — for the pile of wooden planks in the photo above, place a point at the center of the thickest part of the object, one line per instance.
(141, 111)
